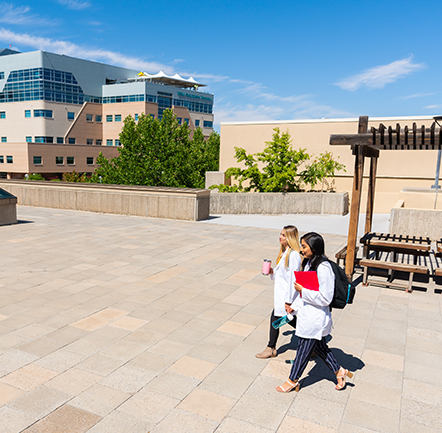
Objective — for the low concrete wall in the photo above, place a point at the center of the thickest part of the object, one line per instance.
(279, 203)
(8, 208)
(416, 222)
(156, 202)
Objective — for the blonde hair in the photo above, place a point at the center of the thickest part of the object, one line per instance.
(291, 234)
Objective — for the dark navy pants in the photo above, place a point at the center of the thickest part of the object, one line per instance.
(305, 349)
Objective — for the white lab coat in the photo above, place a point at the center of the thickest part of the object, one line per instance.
(284, 278)
(312, 308)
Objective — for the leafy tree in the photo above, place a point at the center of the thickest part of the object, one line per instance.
(320, 169)
(280, 170)
(75, 177)
(160, 153)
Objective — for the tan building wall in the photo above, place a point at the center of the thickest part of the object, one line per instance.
(396, 168)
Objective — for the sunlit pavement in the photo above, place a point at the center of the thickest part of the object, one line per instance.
(112, 323)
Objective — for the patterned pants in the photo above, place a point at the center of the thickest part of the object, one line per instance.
(305, 349)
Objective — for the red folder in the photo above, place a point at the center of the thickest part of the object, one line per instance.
(307, 279)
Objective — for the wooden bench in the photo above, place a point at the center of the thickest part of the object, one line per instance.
(393, 266)
(438, 272)
(342, 254)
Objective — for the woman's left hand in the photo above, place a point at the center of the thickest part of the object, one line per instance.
(288, 308)
(298, 287)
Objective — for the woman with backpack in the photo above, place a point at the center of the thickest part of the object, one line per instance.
(314, 321)
(287, 262)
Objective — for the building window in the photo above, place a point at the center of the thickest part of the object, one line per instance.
(98, 142)
(89, 160)
(71, 140)
(70, 160)
(60, 140)
(197, 123)
(180, 120)
(136, 117)
(28, 139)
(9, 160)
(2, 159)
(43, 113)
(38, 160)
(4, 139)
(71, 115)
(109, 142)
(186, 121)
(89, 141)
(27, 113)
(2, 75)
(117, 142)
(44, 139)
(59, 160)
(2, 114)
(109, 118)
(118, 118)
(98, 118)
(208, 124)
(89, 118)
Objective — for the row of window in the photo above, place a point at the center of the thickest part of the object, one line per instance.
(71, 140)
(38, 160)
(59, 160)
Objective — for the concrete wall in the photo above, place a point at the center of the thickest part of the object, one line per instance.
(279, 203)
(8, 211)
(156, 202)
(396, 168)
(416, 222)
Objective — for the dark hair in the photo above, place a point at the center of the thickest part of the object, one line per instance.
(316, 243)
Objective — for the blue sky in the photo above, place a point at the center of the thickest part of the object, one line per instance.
(263, 60)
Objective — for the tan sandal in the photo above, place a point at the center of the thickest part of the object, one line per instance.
(341, 374)
(288, 386)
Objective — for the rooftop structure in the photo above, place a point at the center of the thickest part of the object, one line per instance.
(58, 112)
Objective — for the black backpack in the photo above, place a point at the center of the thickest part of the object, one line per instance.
(344, 291)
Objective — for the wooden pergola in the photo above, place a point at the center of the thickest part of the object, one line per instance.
(367, 144)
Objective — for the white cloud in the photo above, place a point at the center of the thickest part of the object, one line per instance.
(432, 107)
(417, 95)
(75, 4)
(70, 49)
(20, 15)
(379, 76)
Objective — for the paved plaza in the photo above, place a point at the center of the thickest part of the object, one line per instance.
(112, 324)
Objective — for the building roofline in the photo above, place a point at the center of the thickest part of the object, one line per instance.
(335, 120)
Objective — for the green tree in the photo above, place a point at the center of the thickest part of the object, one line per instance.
(281, 168)
(159, 153)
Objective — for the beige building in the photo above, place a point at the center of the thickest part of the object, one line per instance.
(57, 113)
(397, 169)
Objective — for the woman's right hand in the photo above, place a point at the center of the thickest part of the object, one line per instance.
(271, 271)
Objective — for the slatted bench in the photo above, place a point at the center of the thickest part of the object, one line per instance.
(393, 266)
(342, 254)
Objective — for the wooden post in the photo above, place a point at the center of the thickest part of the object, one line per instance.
(355, 204)
(371, 193)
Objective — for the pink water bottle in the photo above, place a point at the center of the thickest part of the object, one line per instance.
(266, 264)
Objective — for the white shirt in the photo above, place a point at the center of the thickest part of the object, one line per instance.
(284, 291)
(313, 307)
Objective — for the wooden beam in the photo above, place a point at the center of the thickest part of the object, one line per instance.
(413, 140)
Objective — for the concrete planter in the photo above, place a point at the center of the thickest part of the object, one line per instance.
(279, 203)
(157, 202)
(8, 208)
(416, 222)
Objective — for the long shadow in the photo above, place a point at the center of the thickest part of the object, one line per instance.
(320, 370)
(25, 222)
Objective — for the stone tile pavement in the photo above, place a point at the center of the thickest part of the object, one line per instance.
(118, 324)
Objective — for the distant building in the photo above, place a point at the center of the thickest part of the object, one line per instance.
(57, 113)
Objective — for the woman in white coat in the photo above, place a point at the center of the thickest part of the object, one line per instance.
(314, 321)
(283, 274)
